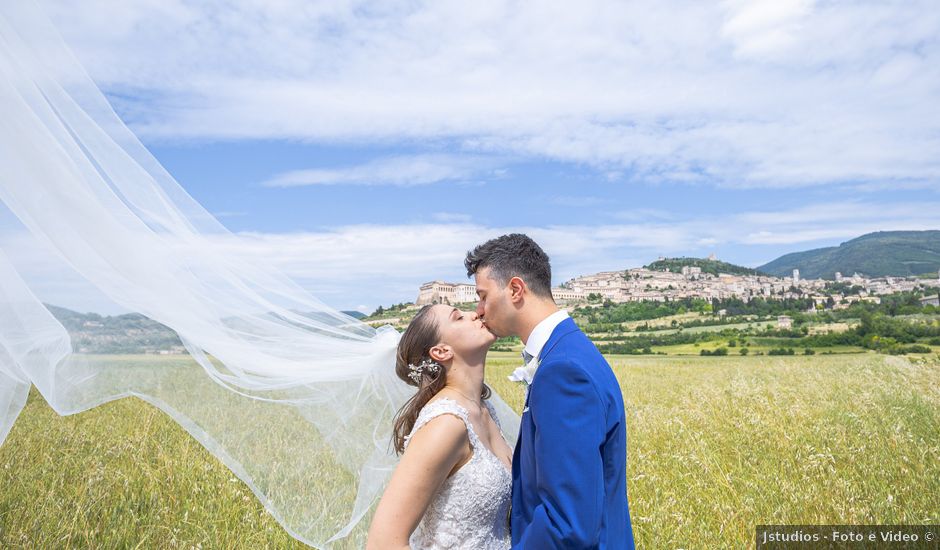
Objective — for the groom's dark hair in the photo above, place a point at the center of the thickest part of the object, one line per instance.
(514, 255)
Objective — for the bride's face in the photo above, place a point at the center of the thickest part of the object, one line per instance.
(462, 330)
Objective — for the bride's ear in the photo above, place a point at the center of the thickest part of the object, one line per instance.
(441, 353)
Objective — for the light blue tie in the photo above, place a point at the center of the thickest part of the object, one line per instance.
(526, 357)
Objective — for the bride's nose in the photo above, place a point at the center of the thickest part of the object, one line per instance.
(474, 316)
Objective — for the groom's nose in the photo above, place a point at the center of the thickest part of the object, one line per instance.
(479, 311)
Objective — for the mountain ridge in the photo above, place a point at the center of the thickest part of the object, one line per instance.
(707, 265)
(877, 254)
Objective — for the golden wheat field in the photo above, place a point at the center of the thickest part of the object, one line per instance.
(716, 446)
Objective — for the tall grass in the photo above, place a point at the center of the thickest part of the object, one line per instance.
(716, 446)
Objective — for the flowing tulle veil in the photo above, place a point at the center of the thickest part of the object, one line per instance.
(295, 398)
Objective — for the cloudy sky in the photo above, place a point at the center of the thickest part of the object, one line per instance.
(363, 147)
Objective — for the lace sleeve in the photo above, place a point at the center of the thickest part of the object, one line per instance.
(436, 408)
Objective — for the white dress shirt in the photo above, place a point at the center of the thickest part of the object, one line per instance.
(542, 332)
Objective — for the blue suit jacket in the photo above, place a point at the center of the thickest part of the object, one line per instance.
(569, 468)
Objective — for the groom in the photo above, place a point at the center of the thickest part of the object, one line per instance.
(569, 486)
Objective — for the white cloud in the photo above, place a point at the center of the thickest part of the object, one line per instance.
(372, 256)
(831, 221)
(401, 170)
(451, 217)
(362, 266)
(48, 276)
(765, 93)
(764, 28)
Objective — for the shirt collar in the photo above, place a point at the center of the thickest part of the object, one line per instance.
(542, 332)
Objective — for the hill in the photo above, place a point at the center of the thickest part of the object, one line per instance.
(894, 253)
(355, 314)
(128, 333)
(713, 267)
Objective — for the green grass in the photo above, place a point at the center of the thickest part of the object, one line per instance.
(761, 345)
(122, 475)
(716, 446)
(665, 322)
(667, 330)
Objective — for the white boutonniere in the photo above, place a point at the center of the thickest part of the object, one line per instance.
(525, 373)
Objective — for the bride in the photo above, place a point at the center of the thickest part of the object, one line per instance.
(452, 486)
(297, 399)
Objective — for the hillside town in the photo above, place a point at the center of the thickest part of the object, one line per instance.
(642, 284)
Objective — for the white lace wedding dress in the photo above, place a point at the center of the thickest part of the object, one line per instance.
(470, 510)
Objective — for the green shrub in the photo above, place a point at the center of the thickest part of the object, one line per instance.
(903, 350)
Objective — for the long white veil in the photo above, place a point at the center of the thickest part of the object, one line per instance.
(295, 398)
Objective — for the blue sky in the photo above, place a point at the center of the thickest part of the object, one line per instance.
(363, 149)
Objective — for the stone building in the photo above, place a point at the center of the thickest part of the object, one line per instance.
(440, 292)
(465, 293)
(561, 294)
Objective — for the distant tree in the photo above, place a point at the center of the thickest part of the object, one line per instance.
(914, 348)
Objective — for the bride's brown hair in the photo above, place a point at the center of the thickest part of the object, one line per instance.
(414, 347)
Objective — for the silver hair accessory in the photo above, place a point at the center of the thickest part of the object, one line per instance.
(416, 370)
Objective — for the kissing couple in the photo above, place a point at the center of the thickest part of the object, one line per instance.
(458, 484)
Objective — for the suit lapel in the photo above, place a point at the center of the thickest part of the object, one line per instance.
(563, 329)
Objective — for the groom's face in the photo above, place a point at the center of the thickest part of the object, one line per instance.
(494, 306)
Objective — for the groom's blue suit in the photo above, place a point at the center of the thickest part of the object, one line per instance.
(569, 485)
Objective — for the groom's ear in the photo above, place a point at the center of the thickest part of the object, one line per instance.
(517, 288)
